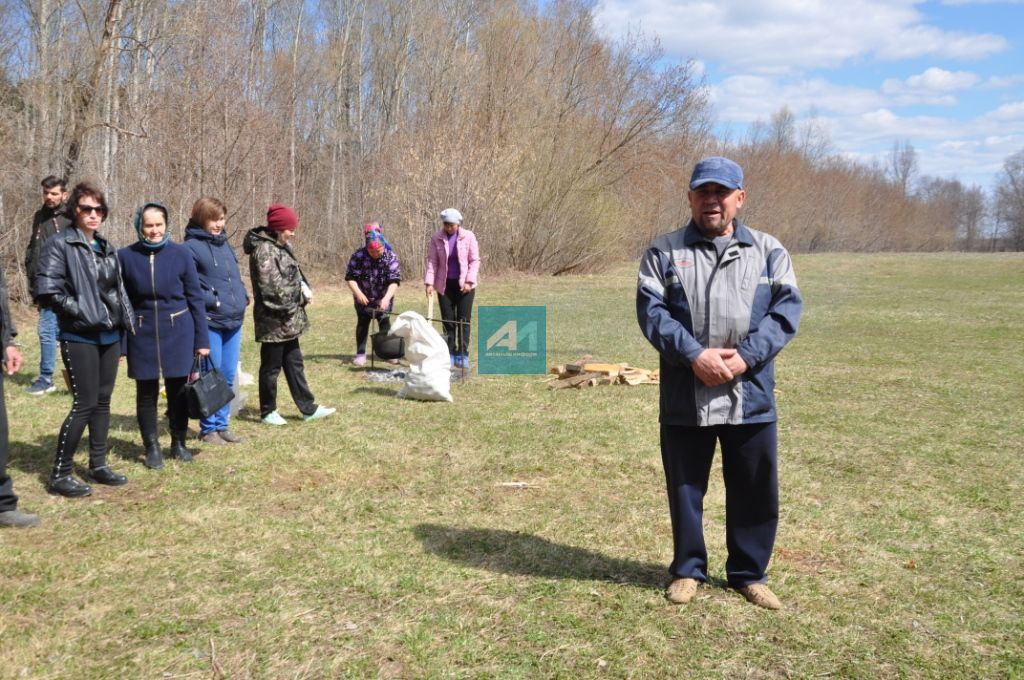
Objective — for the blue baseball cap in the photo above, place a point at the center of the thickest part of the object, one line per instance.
(718, 170)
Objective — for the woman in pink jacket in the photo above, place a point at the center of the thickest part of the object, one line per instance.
(453, 266)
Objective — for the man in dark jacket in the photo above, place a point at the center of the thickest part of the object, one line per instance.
(719, 301)
(48, 220)
(10, 516)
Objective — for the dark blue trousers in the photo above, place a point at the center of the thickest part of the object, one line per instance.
(750, 471)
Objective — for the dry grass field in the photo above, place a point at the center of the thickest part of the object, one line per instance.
(385, 542)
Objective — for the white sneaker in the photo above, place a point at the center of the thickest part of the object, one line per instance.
(320, 412)
(359, 360)
(274, 418)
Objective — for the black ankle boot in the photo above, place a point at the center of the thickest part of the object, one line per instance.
(178, 449)
(154, 458)
(69, 486)
(104, 475)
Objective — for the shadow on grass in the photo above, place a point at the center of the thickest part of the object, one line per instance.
(123, 443)
(343, 358)
(512, 552)
(383, 391)
(23, 378)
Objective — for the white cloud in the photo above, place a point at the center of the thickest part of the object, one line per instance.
(972, 150)
(937, 79)
(748, 98)
(1004, 82)
(1007, 114)
(786, 36)
(982, 2)
(767, 55)
(934, 87)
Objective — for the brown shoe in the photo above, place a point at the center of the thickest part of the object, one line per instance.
(230, 437)
(760, 595)
(213, 438)
(681, 590)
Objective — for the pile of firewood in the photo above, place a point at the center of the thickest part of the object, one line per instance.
(589, 373)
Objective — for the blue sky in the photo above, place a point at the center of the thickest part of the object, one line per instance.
(945, 75)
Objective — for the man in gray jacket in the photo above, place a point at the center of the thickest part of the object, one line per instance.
(719, 300)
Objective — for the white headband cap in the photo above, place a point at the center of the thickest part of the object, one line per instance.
(451, 216)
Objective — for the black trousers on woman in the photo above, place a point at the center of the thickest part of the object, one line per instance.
(92, 370)
(363, 318)
(273, 357)
(456, 306)
(146, 394)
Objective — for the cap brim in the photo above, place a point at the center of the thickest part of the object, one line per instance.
(714, 180)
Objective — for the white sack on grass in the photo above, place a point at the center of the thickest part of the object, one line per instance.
(430, 367)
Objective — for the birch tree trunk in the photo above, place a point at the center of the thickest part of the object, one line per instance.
(82, 115)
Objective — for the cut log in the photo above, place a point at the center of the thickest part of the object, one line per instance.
(607, 369)
(577, 366)
(572, 381)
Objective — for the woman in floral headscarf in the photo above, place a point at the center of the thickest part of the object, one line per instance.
(373, 276)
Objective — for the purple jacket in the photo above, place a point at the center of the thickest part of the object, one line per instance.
(374, 276)
(437, 259)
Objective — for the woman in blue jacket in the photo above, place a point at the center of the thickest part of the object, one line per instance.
(225, 298)
(170, 327)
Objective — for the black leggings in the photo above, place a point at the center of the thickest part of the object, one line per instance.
(456, 306)
(146, 394)
(363, 318)
(92, 370)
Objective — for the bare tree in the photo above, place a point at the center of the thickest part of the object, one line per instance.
(1010, 200)
(902, 165)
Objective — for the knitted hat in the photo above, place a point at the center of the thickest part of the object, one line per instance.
(281, 218)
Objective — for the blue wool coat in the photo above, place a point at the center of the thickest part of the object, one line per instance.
(223, 291)
(170, 319)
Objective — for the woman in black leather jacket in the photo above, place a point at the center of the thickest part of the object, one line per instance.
(79, 277)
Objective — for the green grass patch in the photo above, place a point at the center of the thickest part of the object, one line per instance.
(381, 542)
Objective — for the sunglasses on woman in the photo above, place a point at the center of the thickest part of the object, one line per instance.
(86, 209)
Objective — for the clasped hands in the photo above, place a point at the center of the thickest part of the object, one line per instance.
(717, 366)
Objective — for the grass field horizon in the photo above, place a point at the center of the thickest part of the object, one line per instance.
(385, 542)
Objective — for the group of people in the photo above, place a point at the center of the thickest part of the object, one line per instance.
(374, 273)
(169, 306)
(717, 300)
(166, 307)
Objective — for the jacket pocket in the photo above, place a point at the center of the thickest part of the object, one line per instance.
(175, 315)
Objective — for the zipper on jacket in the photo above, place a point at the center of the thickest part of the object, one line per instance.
(156, 313)
(707, 309)
(96, 275)
(175, 315)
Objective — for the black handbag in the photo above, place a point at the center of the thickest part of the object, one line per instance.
(207, 390)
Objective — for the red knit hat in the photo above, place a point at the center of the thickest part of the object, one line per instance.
(281, 218)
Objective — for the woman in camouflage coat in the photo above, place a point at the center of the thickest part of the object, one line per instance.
(280, 294)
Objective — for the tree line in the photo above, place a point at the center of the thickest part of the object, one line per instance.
(565, 151)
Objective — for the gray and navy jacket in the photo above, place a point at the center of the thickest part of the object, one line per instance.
(689, 299)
